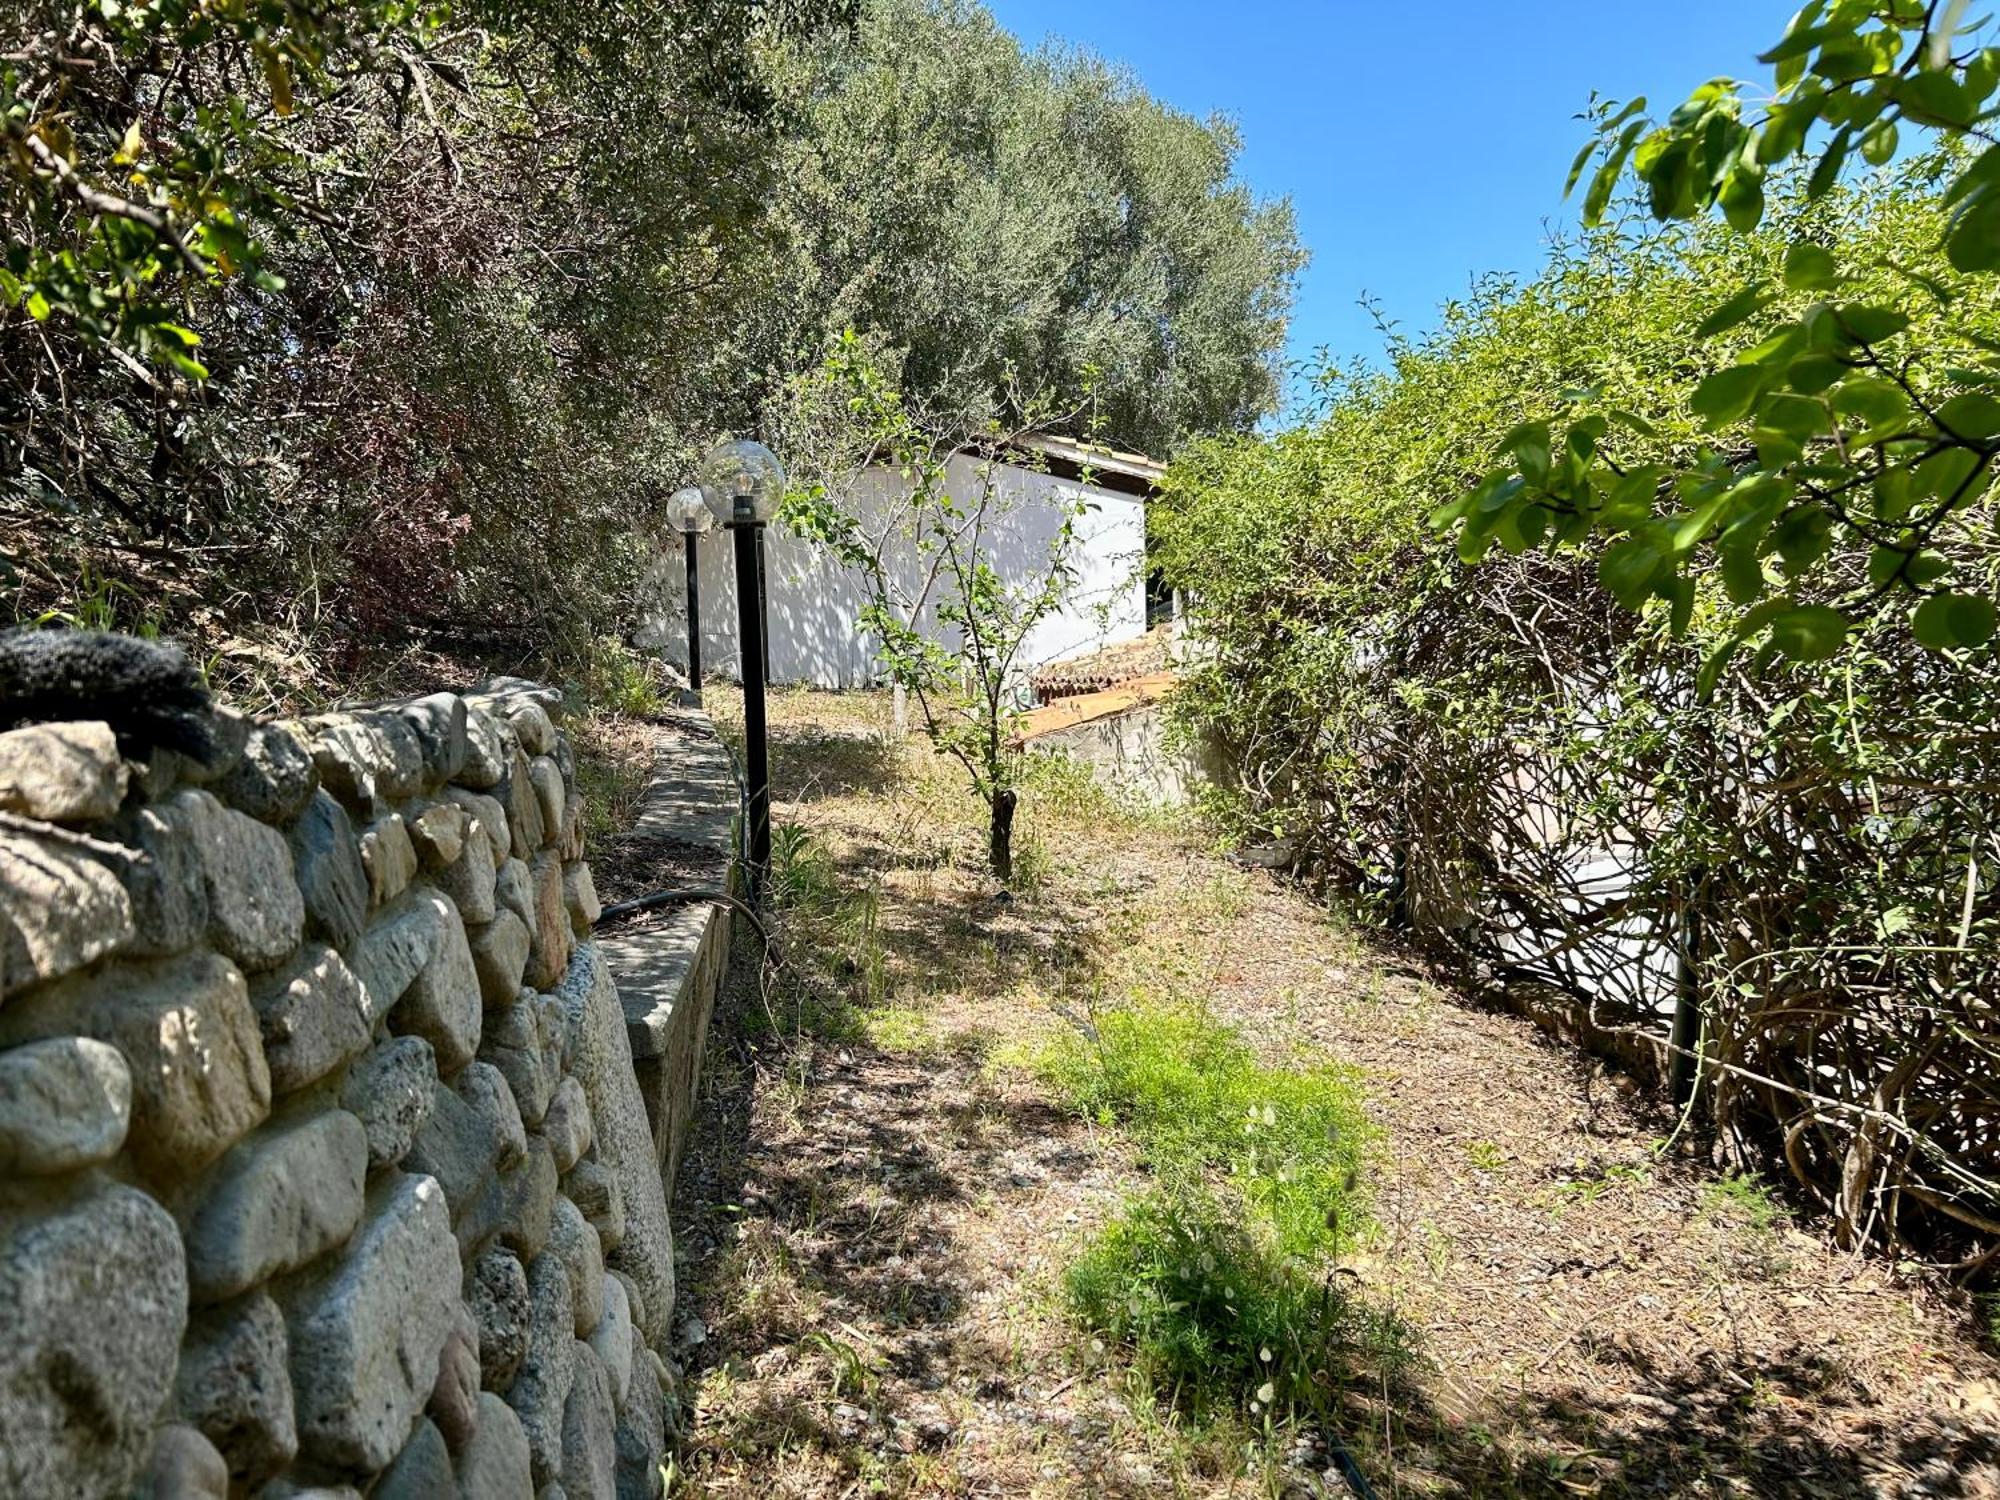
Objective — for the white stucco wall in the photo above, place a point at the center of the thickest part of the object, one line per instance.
(814, 600)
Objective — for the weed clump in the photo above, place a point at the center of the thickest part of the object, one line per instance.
(1220, 1280)
(1743, 1199)
(1290, 1141)
(1218, 1319)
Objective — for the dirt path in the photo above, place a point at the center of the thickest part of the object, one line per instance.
(874, 1218)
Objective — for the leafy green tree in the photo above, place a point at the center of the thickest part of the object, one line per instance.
(1864, 408)
(1007, 226)
(332, 330)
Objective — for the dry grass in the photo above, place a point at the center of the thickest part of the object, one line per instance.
(614, 763)
(876, 1212)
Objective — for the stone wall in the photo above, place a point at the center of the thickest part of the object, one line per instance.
(323, 1167)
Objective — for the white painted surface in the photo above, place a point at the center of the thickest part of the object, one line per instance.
(814, 600)
(1129, 755)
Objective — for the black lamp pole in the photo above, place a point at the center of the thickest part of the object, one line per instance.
(750, 636)
(694, 623)
(764, 602)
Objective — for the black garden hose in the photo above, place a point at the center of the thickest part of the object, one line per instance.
(655, 899)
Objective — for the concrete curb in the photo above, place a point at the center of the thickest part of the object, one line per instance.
(670, 970)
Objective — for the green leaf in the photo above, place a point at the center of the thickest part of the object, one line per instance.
(1809, 268)
(1503, 494)
(1799, 40)
(1742, 574)
(1753, 505)
(1576, 167)
(1825, 332)
(1935, 98)
(1742, 198)
(1451, 510)
(1872, 399)
(1946, 620)
(1727, 395)
(1529, 446)
(1679, 591)
(1780, 344)
(1879, 145)
(1811, 632)
(1827, 173)
(1872, 325)
(1812, 373)
(1473, 540)
(1670, 182)
(1845, 59)
(1911, 569)
(1777, 450)
(1739, 309)
(1895, 493)
(1711, 669)
(1959, 475)
(1801, 538)
(1972, 243)
(1784, 130)
(1628, 569)
(1801, 417)
(1605, 182)
(1631, 499)
(1973, 415)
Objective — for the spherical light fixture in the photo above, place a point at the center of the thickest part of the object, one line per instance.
(688, 511)
(743, 482)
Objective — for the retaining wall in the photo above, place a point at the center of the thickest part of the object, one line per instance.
(324, 1168)
(1120, 734)
(670, 965)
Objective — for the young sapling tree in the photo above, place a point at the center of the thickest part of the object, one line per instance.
(952, 592)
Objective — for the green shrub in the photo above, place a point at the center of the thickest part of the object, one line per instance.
(1215, 1316)
(1456, 749)
(621, 680)
(1290, 1141)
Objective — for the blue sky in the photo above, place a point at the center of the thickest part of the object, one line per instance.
(1421, 144)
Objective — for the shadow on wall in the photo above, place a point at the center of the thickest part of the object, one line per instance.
(815, 600)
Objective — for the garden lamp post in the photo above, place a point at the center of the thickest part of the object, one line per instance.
(743, 481)
(688, 513)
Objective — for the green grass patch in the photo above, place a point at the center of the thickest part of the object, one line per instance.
(1220, 1282)
(803, 879)
(1290, 1141)
(899, 1028)
(1742, 1199)
(1222, 1322)
(836, 973)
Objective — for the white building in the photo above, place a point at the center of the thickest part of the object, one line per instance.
(814, 600)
